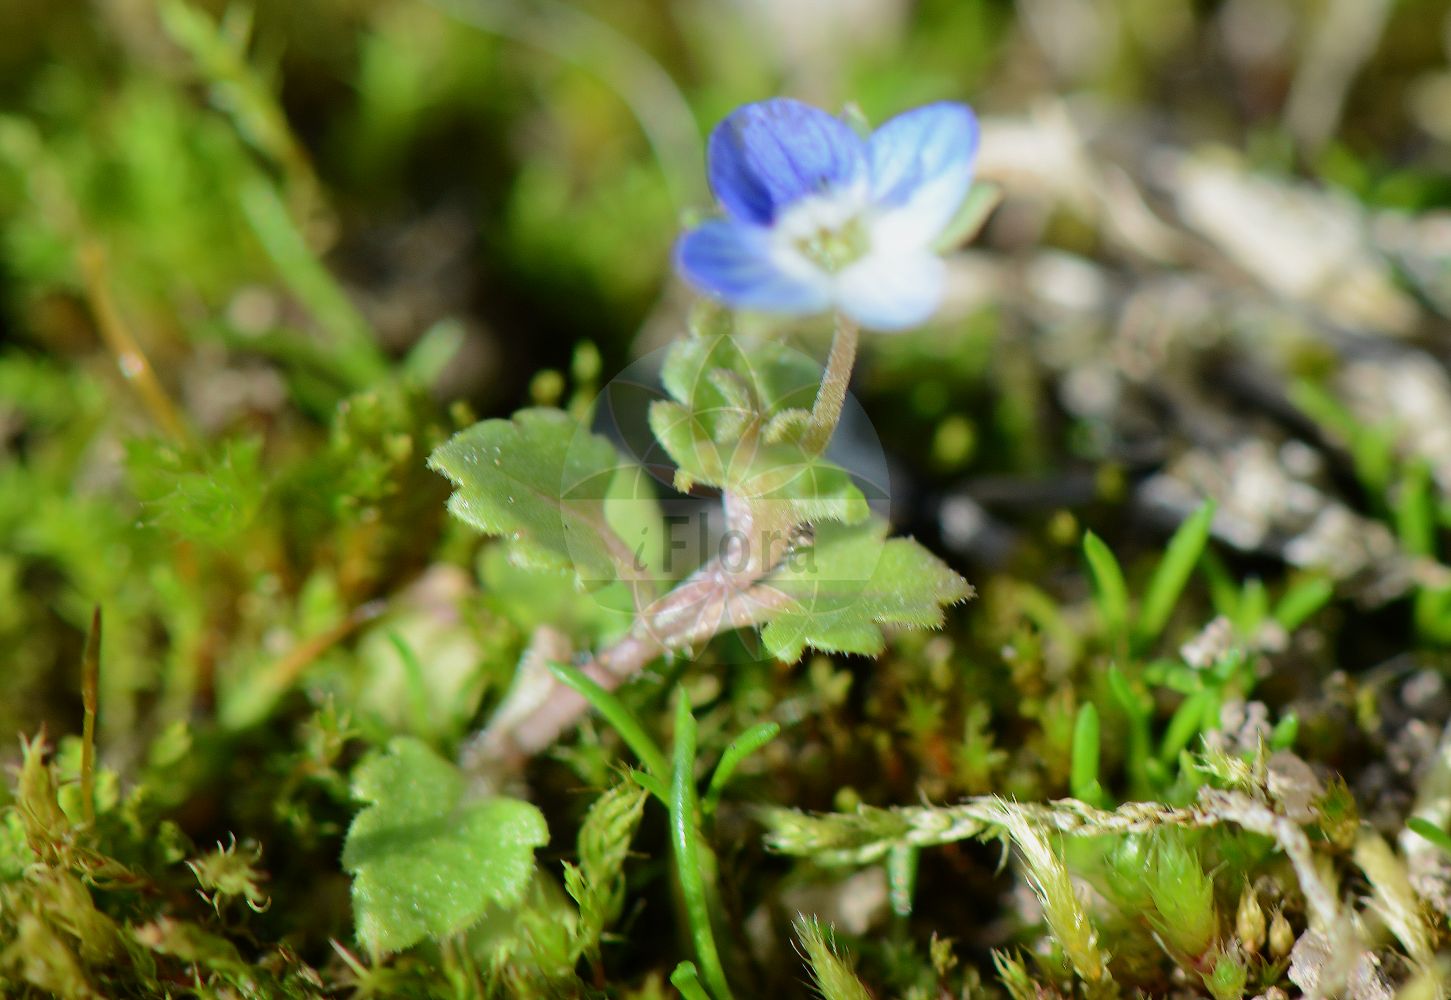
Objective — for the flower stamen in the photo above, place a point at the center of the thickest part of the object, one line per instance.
(833, 249)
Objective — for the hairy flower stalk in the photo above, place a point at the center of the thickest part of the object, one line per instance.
(826, 412)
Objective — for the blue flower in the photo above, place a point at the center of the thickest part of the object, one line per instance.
(819, 218)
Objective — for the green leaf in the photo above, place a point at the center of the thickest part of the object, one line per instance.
(1415, 511)
(687, 981)
(792, 483)
(1186, 723)
(849, 584)
(1425, 828)
(982, 198)
(353, 349)
(541, 481)
(712, 376)
(1301, 600)
(427, 861)
(617, 715)
(531, 597)
(1139, 711)
(691, 853)
(1282, 737)
(1172, 573)
(1109, 590)
(716, 431)
(430, 357)
(1321, 406)
(1083, 780)
(739, 749)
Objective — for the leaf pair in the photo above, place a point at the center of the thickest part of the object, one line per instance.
(734, 422)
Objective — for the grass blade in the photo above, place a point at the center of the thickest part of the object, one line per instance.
(685, 838)
(617, 715)
(1172, 573)
(1109, 590)
(741, 747)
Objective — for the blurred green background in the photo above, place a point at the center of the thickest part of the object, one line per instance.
(257, 260)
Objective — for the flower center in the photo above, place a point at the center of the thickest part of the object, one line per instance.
(834, 249)
(828, 229)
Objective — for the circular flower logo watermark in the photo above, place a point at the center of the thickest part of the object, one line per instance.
(726, 510)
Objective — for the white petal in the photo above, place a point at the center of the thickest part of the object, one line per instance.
(890, 291)
(921, 166)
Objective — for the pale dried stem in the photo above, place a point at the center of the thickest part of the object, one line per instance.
(713, 600)
(868, 836)
(130, 358)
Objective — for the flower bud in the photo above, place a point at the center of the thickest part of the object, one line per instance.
(1249, 921)
(1282, 937)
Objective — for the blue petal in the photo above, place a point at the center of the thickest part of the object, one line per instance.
(890, 291)
(736, 264)
(921, 166)
(769, 154)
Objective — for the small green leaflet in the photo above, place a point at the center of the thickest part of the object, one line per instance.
(426, 861)
(850, 584)
(542, 482)
(972, 215)
(211, 498)
(715, 431)
(713, 376)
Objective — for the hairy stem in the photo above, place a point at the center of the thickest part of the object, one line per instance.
(826, 411)
(538, 710)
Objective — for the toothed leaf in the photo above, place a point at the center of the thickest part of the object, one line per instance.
(851, 584)
(427, 861)
(545, 484)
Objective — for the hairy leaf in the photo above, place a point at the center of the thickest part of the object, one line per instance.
(853, 582)
(716, 431)
(427, 861)
(541, 481)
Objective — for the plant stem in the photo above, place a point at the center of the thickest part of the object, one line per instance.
(130, 358)
(534, 714)
(90, 697)
(826, 411)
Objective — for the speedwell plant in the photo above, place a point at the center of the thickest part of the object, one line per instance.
(817, 218)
